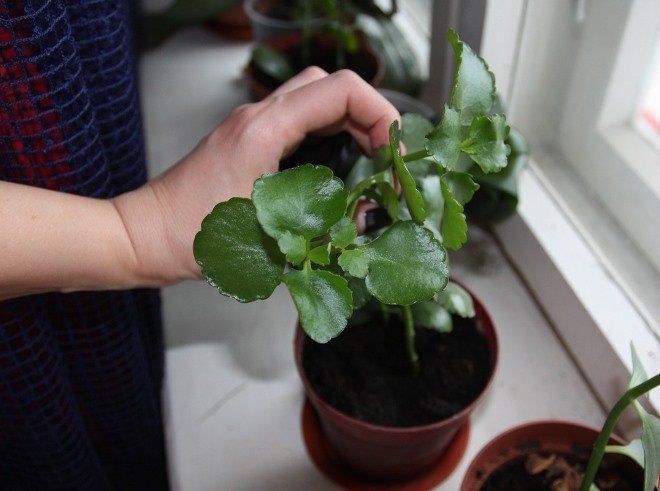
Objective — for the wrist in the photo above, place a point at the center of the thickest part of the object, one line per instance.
(155, 252)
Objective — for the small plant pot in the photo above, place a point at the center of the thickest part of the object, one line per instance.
(365, 62)
(234, 25)
(387, 453)
(266, 25)
(560, 437)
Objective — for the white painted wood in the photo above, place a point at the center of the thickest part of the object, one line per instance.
(234, 399)
(612, 57)
(501, 39)
(585, 303)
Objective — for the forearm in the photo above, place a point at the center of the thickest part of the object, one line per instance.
(52, 241)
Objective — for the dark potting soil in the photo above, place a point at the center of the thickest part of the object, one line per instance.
(366, 374)
(322, 55)
(615, 474)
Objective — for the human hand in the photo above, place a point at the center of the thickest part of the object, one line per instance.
(162, 217)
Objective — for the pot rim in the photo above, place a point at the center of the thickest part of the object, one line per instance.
(483, 452)
(255, 15)
(462, 414)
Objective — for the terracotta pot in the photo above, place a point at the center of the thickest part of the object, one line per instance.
(234, 25)
(259, 91)
(388, 453)
(540, 436)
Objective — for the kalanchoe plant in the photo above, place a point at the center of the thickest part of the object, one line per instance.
(303, 217)
(646, 450)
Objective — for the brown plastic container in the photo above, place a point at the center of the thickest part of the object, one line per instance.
(387, 453)
(540, 436)
(259, 91)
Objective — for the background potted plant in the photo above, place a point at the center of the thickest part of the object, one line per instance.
(410, 326)
(558, 455)
(332, 34)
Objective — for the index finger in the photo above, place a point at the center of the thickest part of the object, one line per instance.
(341, 101)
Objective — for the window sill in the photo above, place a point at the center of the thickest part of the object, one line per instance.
(593, 311)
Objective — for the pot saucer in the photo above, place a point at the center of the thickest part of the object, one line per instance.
(326, 460)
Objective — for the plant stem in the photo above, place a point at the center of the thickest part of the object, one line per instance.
(415, 156)
(604, 437)
(409, 323)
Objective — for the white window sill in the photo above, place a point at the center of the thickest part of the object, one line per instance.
(595, 316)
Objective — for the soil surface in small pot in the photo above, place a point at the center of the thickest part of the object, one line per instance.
(322, 55)
(366, 374)
(560, 472)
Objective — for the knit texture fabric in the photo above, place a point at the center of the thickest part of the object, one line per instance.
(80, 373)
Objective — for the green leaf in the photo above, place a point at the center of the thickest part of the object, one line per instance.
(343, 233)
(272, 63)
(485, 142)
(473, 92)
(388, 199)
(321, 254)
(366, 167)
(354, 262)
(461, 186)
(456, 300)
(323, 301)
(434, 203)
(443, 143)
(639, 373)
(651, 444)
(432, 315)
(359, 290)
(305, 201)
(457, 189)
(406, 264)
(411, 194)
(634, 450)
(414, 129)
(236, 255)
(293, 246)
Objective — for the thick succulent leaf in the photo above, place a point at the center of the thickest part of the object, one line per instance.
(473, 92)
(454, 224)
(293, 246)
(321, 254)
(407, 264)
(443, 143)
(388, 198)
(411, 194)
(305, 201)
(634, 450)
(485, 142)
(433, 202)
(323, 301)
(236, 255)
(461, 186)
(272, 63)
(651, 444)
(414, 128)
(343, 233)
(456, 300)
(359, 290)
(366, 167)
(354, 262)
(432, 315)
(639, 373)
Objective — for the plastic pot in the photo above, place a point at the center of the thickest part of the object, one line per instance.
(258, 90)
(265, 28)
(548, 436)
(388, 453)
